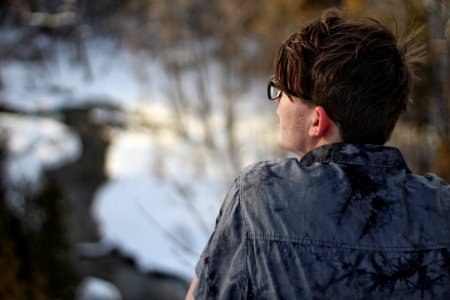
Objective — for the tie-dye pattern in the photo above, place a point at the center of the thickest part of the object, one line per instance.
(345, 222)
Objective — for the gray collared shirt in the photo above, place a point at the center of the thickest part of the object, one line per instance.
(345, 222)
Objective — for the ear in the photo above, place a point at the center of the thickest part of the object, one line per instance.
(320, 122)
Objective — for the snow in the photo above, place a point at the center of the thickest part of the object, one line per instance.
(156, 223)
(165, 188)
(93, 288)
(52, 143)
(107, 74)
(35, 144)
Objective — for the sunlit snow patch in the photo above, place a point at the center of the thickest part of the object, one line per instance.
(93, 288)
(35, 144)
(158, 223)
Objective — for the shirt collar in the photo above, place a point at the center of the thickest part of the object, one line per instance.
(356, 154)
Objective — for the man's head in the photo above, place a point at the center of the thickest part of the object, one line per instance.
(354, 70)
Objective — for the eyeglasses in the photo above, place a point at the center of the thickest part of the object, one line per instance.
(274, 92)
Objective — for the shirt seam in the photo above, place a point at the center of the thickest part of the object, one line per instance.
(277, 162)
(344, 162)
(246, 234)
(333, 154)
(313, 242)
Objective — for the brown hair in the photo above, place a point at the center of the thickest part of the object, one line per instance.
(355, 69)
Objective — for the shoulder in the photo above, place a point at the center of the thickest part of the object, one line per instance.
(272, 185)
(277, 168)
(271, 163)
(282, 177)
(430, 188)
(435, 180)
(428, 182)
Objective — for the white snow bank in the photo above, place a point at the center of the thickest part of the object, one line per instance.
(93, 288)
(105, 74)
(35, 144)
(163, 226)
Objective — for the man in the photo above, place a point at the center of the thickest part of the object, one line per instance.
(348, 220)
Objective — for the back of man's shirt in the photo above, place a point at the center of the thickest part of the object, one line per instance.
(347, 221)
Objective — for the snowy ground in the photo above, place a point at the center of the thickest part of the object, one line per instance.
(164, 190)
(35, 144)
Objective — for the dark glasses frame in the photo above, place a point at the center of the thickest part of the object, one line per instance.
(272, 85)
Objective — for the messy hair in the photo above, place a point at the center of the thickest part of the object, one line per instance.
(355, 69)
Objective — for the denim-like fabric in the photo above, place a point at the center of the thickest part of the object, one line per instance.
(345, 222)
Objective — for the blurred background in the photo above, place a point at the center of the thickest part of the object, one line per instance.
(123, 123)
